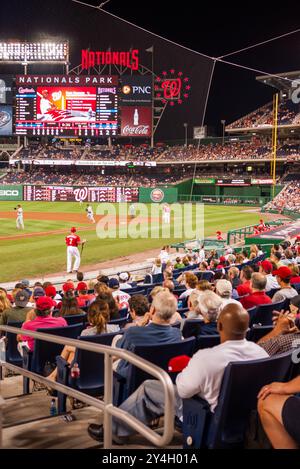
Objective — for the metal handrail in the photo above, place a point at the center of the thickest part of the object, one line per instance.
(107, 406)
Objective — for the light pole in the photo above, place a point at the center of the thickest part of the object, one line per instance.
(185, 125)
(223, 122)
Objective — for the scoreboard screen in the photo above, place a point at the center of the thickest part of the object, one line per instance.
(64, 105)
(77, 193)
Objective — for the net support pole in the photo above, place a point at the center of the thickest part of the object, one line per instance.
(274, 141)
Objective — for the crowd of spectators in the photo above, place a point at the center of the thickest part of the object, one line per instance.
(287, 199)
(288, 114)
(238, 282)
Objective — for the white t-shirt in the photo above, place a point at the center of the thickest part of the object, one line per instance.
(164, 256)
(122, 298)
(204, 373)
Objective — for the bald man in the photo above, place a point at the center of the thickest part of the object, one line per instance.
(203, 375)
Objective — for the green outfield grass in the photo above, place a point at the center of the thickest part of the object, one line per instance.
(38, 255)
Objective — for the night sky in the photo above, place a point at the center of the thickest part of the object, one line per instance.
(210, 28)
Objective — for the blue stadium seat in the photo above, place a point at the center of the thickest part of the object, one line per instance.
(225, 428)
(194, 327)
(119, 322)
(46, 352)
(257, 332)
(12, 353)
(206, 341)
(91, 366)
(75, 318)
(264, 314)
(159, 355)
(272, 292)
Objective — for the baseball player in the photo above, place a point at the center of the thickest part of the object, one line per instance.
(19, 220)
(90, 213)
(219, 236)
(166, 213)
(72, 242)
(132, 211)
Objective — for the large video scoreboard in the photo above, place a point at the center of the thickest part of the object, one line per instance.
(58, 105)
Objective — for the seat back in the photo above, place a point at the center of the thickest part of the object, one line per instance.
(194, 327)
(159, 355)
(75, 318)
(47, 351)
(119, 322)
(257, 332)
(12, 353)
(206, 341)
(91, 364)
(264, 314)
(241, 384)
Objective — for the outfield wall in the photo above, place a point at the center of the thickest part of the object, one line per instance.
(96, 194)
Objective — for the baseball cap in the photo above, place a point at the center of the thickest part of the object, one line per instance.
(25, 282)
(222, 259)
(43, 303)
(81, 286)
(177, 364)
(22, 298)
(113, 283)
(123, 276)
(218, 232)
(50, 290)
(223, 286)
(267, 266)
(283, 272)
(68, 286)
(38, 291)
(73, 229)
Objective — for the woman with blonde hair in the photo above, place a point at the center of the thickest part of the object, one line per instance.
(4, 301)
(207, 307)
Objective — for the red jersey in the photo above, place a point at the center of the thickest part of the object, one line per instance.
(72, 240)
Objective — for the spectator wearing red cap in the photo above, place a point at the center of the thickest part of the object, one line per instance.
(51, 291)
(258, 296)
(44, 319)
(222, 262)
(68, 286)
(84, 299)
(266, 268)
(283, 276)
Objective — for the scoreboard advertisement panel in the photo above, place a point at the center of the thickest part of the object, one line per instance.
(58, 105)
(85, 193)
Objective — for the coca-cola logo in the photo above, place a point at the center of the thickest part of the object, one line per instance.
(137, 130)
(157, 195)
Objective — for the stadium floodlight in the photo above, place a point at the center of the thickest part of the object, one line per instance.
(20, 52)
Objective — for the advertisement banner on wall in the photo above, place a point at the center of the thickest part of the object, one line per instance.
(5, 120)
(158, 195)
(83, 193)
(11, 192)
(136, 121)
(6, 89)
(135, 90)
(205, 181)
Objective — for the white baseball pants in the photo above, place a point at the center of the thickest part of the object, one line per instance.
(73, 252)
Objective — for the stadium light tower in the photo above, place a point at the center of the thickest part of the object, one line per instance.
(185, 125)
(223, 122)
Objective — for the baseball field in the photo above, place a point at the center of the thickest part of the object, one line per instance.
(40, 248)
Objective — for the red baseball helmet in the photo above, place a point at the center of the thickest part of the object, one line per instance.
(73, 230)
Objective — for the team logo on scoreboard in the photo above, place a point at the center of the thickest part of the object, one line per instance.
(172, 87)
(157, 195)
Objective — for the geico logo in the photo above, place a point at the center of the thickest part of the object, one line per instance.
(8, 193)
(142, 89)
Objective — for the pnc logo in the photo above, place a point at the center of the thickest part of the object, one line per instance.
(157, 195)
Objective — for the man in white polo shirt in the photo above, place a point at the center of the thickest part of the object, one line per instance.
(202, 376)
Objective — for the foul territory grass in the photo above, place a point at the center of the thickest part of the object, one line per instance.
(38, 255)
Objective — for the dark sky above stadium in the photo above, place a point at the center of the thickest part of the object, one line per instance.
(208, 27)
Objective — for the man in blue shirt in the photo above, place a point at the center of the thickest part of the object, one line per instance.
(157, 332)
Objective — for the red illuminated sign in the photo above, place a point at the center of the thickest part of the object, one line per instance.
(172, 87)
(136, 121)
(128, 59)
